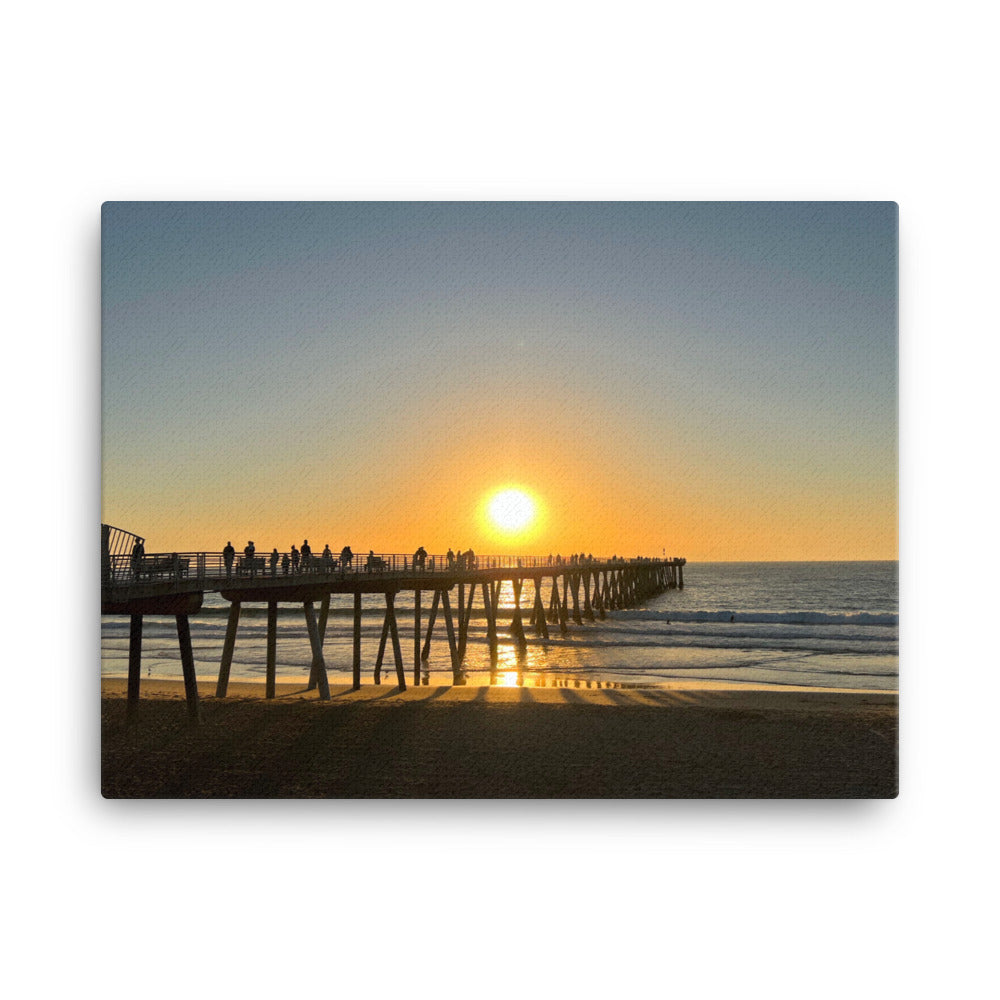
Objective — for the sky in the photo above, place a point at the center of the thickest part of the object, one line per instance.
(711, 380)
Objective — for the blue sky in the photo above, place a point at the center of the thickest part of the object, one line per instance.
(722, 374)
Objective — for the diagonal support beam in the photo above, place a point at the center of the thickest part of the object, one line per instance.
(430, 625)
(317, 650)
(187, 665)
(227, 650)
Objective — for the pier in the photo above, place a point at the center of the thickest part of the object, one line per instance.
(579, 588)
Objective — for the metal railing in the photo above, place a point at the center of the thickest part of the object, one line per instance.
(128, 569)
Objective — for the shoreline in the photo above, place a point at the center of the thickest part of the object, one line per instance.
(155, 687)
(688, 740)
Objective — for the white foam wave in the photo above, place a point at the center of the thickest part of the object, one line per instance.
(761, 617)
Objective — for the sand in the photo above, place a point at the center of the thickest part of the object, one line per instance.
(683, 741)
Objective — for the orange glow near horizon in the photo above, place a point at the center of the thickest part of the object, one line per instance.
(576, 510)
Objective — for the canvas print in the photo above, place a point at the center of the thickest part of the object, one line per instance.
(499, 500)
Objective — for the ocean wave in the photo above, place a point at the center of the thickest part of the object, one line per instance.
(760, 617)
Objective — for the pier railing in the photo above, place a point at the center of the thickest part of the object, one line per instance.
(204, 567)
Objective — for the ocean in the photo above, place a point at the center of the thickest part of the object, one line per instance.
(805, 624)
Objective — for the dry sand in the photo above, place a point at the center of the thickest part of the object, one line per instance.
(685, 741)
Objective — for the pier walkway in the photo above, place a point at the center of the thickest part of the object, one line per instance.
(136, 583)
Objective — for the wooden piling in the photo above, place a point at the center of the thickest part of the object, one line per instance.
(272, 646)
(553, 615)
(390, 606)
(324, 614)
(227, 650)
(491, 622)
(356, 667)
(461, 621)
(187, 665)
(456, 665)
(383, 639)
(416, 637)
(134, 668)
(430, 625)
(317, 650)
(516, 625)
(541, 626)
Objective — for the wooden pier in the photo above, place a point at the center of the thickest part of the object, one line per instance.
(580, 588)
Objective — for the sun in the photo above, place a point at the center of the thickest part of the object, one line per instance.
(511, 510)
(512, 514)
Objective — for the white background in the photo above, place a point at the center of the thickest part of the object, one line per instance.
(113, 101)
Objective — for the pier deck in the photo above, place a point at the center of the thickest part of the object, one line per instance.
(581, 587)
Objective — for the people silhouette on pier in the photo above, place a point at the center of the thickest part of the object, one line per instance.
(420, 558)
(470, 559)
(346, 557)
(295, 560)
(451, 559)
(306, 555)
(274, 561)
(284, 563)
(248, 555)
(327, 558)
(228, 555)
(138, 551)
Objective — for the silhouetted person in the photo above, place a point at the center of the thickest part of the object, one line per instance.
(295, 559)
(248, 554)
(451, 559)
(175, 566)
(420, 557)
(228, 555)
(470, 559)
(346, 557)
(284, 563)
(327, 559)
(306, 554)
(274, 561)
(370, 563)
(138, 551)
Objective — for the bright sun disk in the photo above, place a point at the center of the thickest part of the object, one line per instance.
(511, 510)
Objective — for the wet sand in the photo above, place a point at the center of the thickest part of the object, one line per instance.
(685, 741)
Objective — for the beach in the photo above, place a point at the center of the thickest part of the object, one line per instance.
(684, 740)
